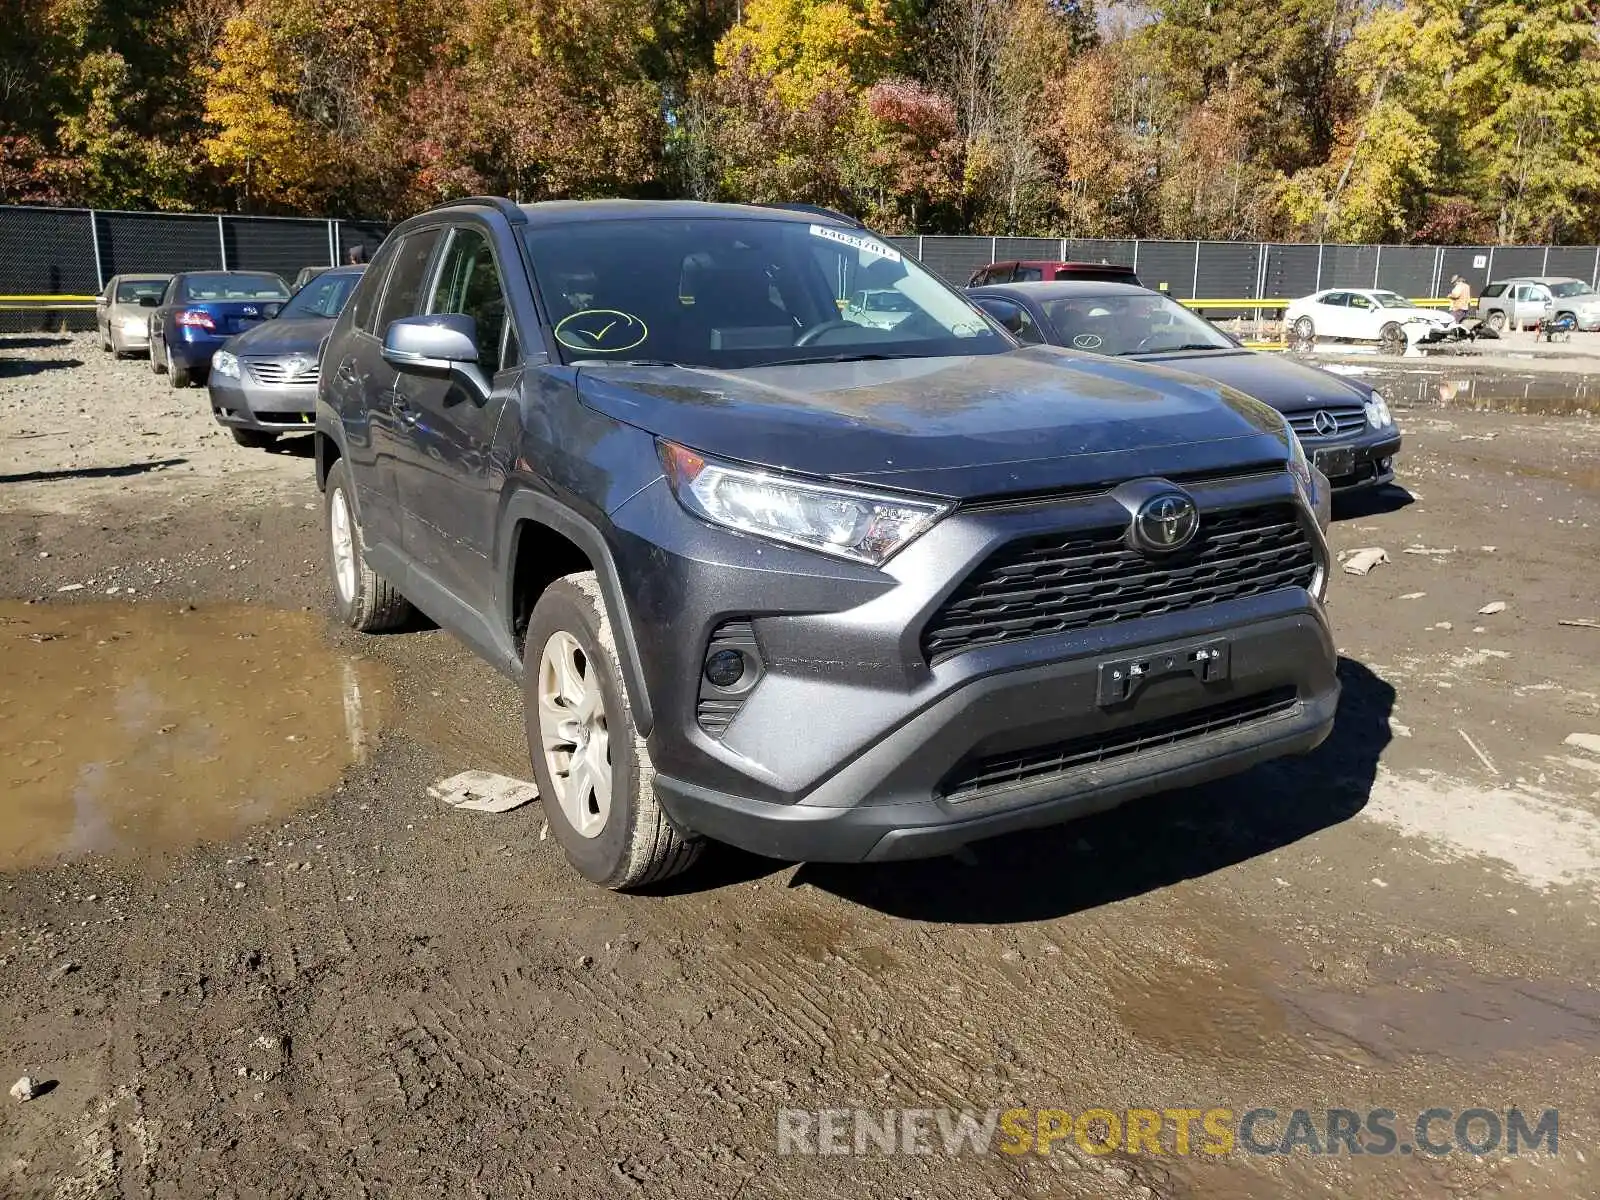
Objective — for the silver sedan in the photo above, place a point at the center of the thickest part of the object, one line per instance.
(122, 312)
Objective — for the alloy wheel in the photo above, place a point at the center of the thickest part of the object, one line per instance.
(573, 733)
(341, 531)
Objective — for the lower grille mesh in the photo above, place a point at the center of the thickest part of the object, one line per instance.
(977, 776)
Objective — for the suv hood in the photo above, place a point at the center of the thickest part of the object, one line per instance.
(298, 334)
(1038, 419)
(1287, 385)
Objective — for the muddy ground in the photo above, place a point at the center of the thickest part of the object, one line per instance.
(245, 954)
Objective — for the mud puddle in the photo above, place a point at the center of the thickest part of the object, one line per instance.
(132, 728)
(1548, 393)
(1439, 1011)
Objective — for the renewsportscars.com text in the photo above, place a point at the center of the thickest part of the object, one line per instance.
(1177, 1131)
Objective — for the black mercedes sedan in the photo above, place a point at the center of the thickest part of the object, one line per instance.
(1345, 425)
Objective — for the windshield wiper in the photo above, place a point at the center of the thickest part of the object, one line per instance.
(849, 356)
(1175, 349)
(624, 362)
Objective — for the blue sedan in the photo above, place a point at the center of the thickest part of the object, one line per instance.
(202, 309)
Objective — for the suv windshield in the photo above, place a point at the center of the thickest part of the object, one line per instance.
(234, 287)
(1571, 287)
(1390, 300)
(324, 296)
(743, 292)
(1130, 324)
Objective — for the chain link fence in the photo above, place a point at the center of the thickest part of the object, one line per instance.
(55, 260)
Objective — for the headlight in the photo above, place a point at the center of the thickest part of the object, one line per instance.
(134, 325)
(225, 364)
(1298, 466)
(862, 526)
(1378, 415)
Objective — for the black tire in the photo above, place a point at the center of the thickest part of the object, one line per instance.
(253, 439)
(374, 603)
(1496, 320)
(638, 844)
(177, 373)
(1565, 316)
(1305, 329)
(1392, 339)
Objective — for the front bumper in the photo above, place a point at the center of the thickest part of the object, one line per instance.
(135, 337)
(851, 744)
(245, 404)
(1371, 461)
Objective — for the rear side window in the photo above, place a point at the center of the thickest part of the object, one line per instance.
(1495, 289)
(403, 295)
(1337, 299)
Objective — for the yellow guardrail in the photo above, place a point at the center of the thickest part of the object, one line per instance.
(47, 303)
(1249, 303)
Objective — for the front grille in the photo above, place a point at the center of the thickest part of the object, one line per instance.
(1058, 582)
(273, 373)
(977, 776)
(1350, 418)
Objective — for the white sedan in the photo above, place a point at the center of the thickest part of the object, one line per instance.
(1364, 315)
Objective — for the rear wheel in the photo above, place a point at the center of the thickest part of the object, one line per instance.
(592, 767)
(1305, 330)
(253, 439)
(1496, 320)
(1392, 338)
(177, 372)
(367, 601)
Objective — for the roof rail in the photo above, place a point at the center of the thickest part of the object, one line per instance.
(819, 211)
(508, 209)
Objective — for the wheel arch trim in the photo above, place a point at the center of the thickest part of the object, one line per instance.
(540, 509)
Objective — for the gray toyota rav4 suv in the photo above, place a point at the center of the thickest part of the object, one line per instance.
(775, 576)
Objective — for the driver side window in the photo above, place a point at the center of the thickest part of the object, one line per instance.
(469, 284)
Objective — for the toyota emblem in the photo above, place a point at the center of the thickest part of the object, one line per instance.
(1165, 522)
(1325, 423)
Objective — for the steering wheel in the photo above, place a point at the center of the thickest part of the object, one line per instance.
(810, 336)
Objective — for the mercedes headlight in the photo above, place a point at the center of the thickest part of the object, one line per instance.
(1299, 466)
(1378, 415)
(225, 364)
(865, 527)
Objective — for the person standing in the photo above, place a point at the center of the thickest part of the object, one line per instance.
(1460, 299)
(356, 255)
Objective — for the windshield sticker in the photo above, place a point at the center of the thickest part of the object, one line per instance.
(601, 331)
(1088, 341)
(865, 244)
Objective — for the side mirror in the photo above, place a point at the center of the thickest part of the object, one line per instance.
(438, 345)
(271, 310)
(149, 301)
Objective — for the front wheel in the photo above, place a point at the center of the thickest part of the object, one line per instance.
(367, 601)
(1392, 338)
(1496, 320)
(592, 767)
(158, 362)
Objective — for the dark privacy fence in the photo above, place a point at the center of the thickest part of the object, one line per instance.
(1265, 270)
(70, 253)
(64, 252)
